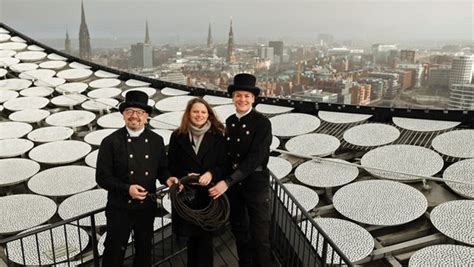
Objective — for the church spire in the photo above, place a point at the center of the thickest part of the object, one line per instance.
(67, 43)
(210, 41)
(230, 45)
(147, 34)
(84, 38)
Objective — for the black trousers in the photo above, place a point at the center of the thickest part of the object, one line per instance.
(250, 215)
(120, 223)
(200, 250)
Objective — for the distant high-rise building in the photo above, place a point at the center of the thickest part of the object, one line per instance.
(67, 44)
(142, 53)
(407, 56)
(461, 70)
(277, 47)
(230, 46)
(381, 52)
(461, 96)
(84, 37)
(210, 41)
(325, 39)
(147, 34)
(438, 78)
(265, 52)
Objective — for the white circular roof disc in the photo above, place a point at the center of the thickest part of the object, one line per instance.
(217, 100)
(165, 134)
(168, 121)
(136, 83)
(70, 88)
(292, 124)
(442, 255)
(224, 111)
(71, 118)
(415, 161)
(23, 211)
(18, 39)
(7, 53)
(14, 147)
(341, 117)
(105, 74)
(113, 120)
(6, 95)
(354, 241)
(104, 83)
(307, 197)
(68, 100)
(53, 64)
(15, 46)
(320, 145)
(54, 56)
(31, 56)
(454, 219)
(26, 102)
(458, 144)
(8, 61)
(419, 125)
(279, 167)
(272, 109)
(50, 134)
(99, 104)
(462, 171)
(60, 152)
(77, 65)
(371, 134)
(40, 91)
(3, 72)
(50, 82)
(74, 74)
(40, 74)
(82, 203)
(29, 115)
(4, 37)
(17, 170)
(14, 84)
(275, 143)
(391, 203)
(96, 137)
(21, 67)
(174, 103)
(168, 91)
(104, 93)
(63, 181)
(326, 174)
(35, 48)
(91, 158)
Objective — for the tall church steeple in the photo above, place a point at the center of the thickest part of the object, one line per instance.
(67, 44)
(230, 45)
(84, 38)
(210, 41)
(147, 34)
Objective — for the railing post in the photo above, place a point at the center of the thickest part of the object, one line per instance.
(324, 252)
(95, 253)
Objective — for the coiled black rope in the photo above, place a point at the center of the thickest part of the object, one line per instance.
(209, 218)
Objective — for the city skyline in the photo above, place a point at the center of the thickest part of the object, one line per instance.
(187, 22)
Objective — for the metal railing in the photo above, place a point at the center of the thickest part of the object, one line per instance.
(296, 239)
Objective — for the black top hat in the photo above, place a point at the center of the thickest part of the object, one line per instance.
(137, 99)
(244, 82)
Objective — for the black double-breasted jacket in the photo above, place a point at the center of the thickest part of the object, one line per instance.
(248, 142)
(124, 160)
(183, 160)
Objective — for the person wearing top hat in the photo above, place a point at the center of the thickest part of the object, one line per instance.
(248, 139)
(129, 162)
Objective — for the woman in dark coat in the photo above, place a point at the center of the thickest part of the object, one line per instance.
(197, 148)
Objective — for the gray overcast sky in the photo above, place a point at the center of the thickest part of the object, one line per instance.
(375, 20)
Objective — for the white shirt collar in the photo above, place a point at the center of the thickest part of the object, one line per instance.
(133, 133)
(240, 115)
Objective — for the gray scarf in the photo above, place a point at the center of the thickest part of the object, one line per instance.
(196, 134)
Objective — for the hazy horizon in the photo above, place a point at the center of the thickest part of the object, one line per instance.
(289, 20)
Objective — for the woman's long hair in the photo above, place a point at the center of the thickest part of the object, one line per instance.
(216, 126)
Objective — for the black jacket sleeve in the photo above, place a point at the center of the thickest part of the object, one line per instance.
(104, 174)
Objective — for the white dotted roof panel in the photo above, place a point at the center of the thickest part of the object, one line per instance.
(442, 255)
(17, 170)
(168, 91)
(60, 152)
(419, 125)
(327, 173)
(371, 134)
(458, 144)
(391, 203)
(82, 203)
(29, 115)
(26, 102)
(462, 171)
(314, 144)
(50, 134)
(292, 124)
(454, 219)
(341, 117)
(14, 147)
(272, 109)
(175, 103)
(71, 118)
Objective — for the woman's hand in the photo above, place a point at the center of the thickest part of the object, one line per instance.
(205, 179)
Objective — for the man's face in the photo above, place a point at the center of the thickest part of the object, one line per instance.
(243, 101)
(135, 118)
